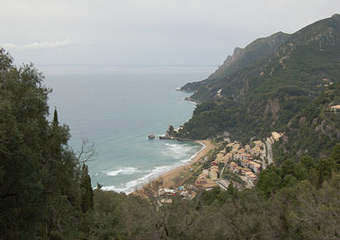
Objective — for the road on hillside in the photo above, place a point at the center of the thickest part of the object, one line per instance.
(221, 174)
(269, 152)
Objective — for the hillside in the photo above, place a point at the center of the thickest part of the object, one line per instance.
(45, 189)
(314, 130)
(241, 58)
(265, 95)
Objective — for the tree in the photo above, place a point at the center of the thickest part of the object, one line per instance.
(269, 181)
(335, 155)
(231, 190)
(86, 152)
(23, 134)
(170, 131)
(86, 190)
(325, 168)
(300, 171)
(308, 162)
(39, 174)
(55, 118)
(288, 167)
(289, 181)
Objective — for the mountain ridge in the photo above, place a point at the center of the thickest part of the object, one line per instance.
(242, 57)
(265, 95)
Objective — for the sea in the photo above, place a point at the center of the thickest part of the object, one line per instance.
(115, 108)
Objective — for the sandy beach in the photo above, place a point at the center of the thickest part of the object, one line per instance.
(176, 176)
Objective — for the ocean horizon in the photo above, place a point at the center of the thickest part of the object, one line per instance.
(116, 108)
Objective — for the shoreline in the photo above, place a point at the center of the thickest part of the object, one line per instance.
(171, 178)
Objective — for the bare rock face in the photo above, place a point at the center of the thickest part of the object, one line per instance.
(237, 54)
(259, 48)
(273, 107)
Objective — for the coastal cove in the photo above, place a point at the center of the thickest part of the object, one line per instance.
(130, 152)
(168, 179)
(116, 108)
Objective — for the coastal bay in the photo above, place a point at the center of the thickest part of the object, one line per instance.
(175, 177)
(116, 110)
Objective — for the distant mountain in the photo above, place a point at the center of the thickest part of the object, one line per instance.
(262, 87)
(241, 58)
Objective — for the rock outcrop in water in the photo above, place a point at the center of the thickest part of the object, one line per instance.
(171, 135)
(151, 136)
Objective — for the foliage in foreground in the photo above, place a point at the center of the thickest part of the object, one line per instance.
(42, 189)
(298, 201)
(45, 192)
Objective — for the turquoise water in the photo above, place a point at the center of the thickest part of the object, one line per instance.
(116, 108)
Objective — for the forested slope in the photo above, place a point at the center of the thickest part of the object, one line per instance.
(268, 93)
(240, 59)
(45, 191)
(313, 131)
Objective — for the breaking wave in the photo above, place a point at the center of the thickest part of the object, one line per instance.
(123, 171)
(154, 173)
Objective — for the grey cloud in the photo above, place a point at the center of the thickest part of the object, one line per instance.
(148, 31)
(39, 45)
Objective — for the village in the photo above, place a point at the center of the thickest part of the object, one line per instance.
(229, 163)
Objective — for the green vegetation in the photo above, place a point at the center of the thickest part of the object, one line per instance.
(45, 190)
(241, 59)
(267, 94)
(297, 201)
(232, 176)
(314, 130)
(40, 193)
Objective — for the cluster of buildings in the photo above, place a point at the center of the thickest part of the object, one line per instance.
(187, 192)
(335, 108)
(244, 161)
(208, 177)
(239, 160)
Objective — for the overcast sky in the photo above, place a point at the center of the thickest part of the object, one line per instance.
(146, 31)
